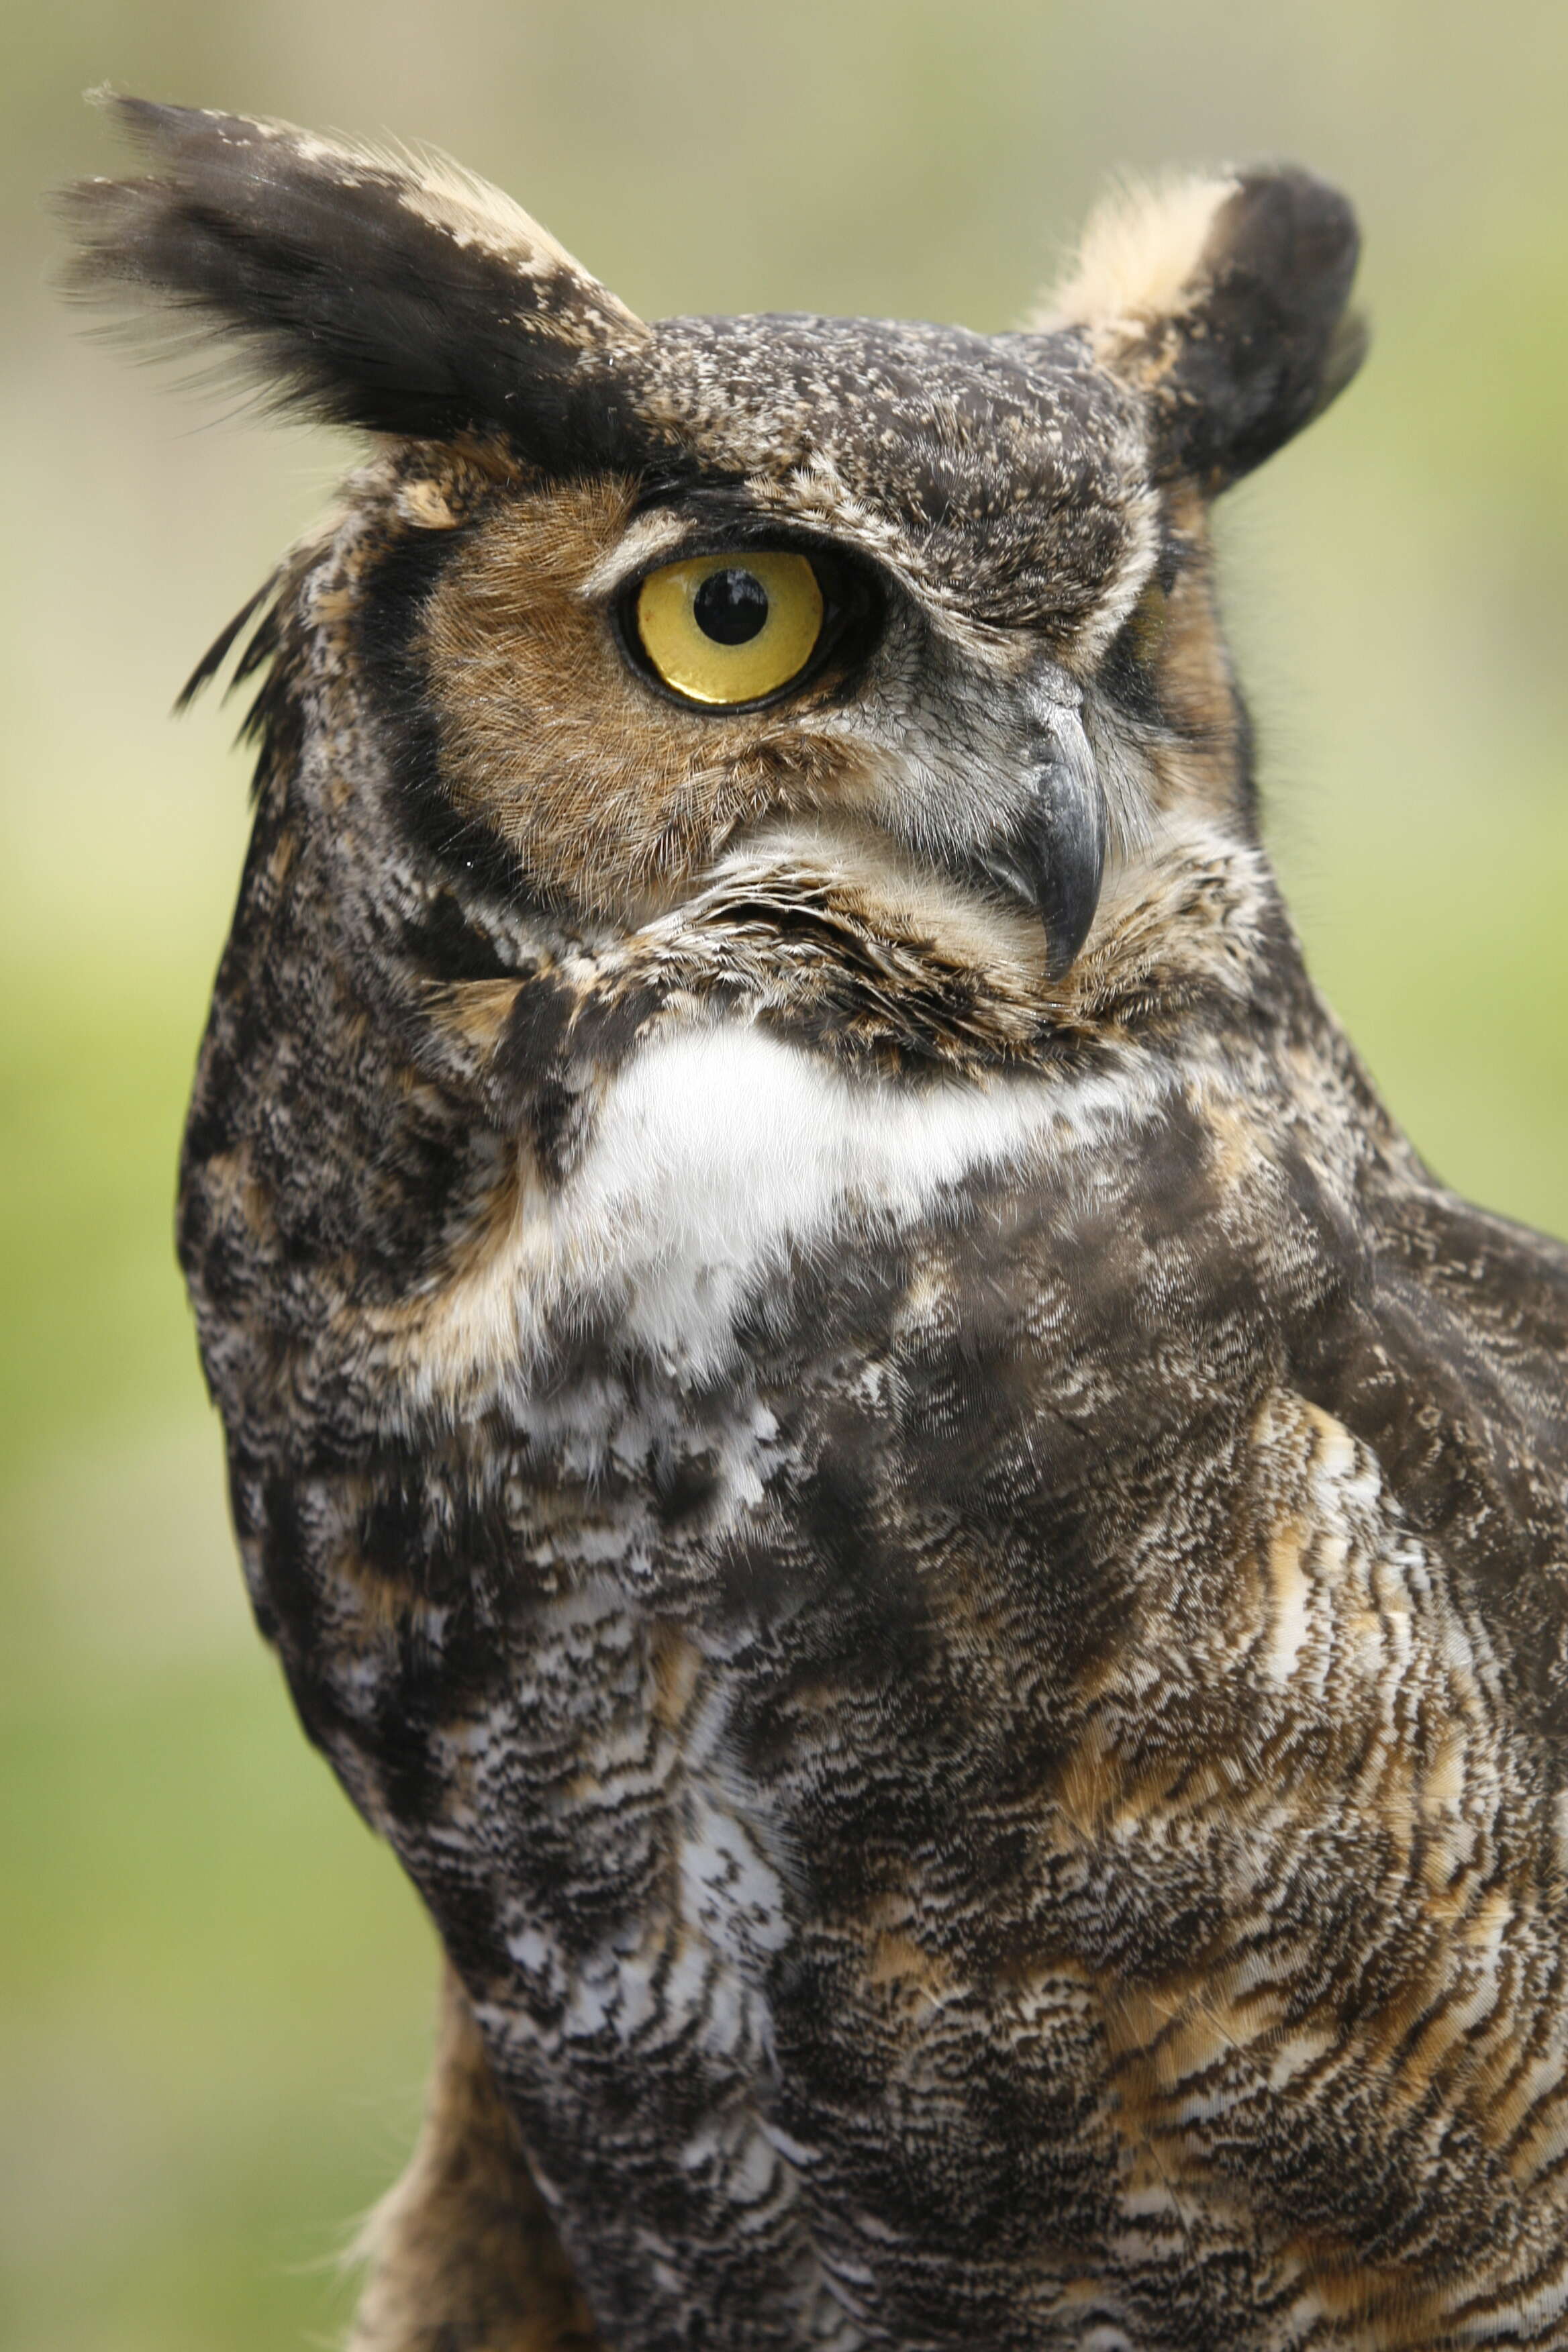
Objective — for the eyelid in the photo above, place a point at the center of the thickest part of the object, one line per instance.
(663, 532)
(671, 534)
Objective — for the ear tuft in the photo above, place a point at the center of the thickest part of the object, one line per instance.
(1223, 301)
(366, 287)
(1139, 252)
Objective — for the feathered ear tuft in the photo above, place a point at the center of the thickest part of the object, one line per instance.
(1224, 300)
(384, 290)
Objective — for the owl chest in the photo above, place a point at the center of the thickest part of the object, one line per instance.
(703, 1659)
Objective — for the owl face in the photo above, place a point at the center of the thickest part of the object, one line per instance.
(626, 679)
(630, 596)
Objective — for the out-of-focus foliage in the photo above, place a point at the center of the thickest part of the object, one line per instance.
(215, 1987)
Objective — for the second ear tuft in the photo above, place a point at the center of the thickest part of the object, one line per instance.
(1225, 301)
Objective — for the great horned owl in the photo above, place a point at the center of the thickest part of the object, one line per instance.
(941, 1556)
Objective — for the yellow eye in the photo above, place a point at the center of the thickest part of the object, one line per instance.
(731, 628)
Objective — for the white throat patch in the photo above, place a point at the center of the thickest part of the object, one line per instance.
(716, 1155)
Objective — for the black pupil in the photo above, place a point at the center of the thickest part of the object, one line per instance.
(730, 607)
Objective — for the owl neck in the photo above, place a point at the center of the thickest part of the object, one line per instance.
(472, 1132)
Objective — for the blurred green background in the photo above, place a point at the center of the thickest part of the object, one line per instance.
(216, 1989)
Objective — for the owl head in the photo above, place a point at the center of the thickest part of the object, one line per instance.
(615, 601)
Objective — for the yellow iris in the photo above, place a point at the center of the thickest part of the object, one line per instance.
(732, 627)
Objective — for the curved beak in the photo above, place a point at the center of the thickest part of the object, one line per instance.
(1054, 856)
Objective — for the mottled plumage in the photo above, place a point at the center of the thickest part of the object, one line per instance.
(942, 1558)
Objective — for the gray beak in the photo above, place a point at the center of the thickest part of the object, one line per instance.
(1054, 856)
